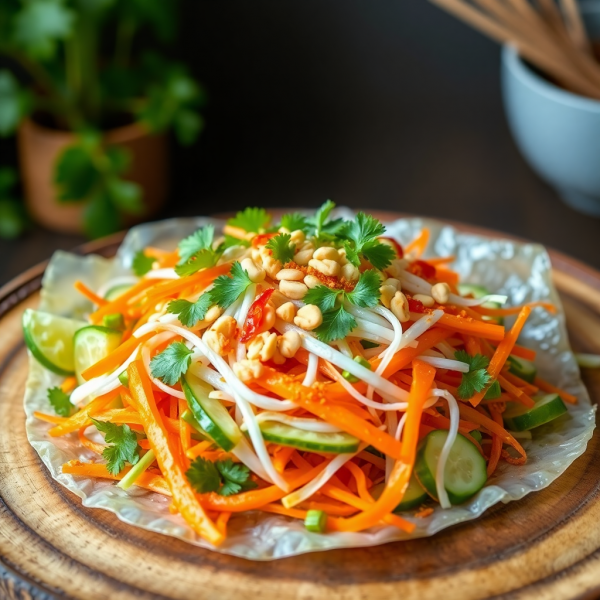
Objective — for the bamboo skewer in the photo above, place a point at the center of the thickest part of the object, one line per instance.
(539, 37)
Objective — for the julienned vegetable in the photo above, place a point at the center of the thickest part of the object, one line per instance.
(310, 363)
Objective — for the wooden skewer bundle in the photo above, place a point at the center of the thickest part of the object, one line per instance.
(553, 40)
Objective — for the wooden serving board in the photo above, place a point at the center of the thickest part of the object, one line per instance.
(546, 546)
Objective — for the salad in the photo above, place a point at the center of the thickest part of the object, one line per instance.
(312, 368)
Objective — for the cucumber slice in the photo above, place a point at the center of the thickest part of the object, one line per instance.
(478, 291)
(93, 343)
(50, 340)
(547, 408)
(210, 413)
(116, 291)
(522, 368)
(465, 473)
(190, 419)
(286, 435)
(414, 496)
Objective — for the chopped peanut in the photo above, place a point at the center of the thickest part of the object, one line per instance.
(330, 268)
(425, 300)
(290, 275)
(296, 290)
(387, 294)
(219, 336)
(289, 343)
(247, 370)
(350, 272)
(399, 307)
(311, 281)
(256, 273)
(441, 292)
(309, 317)
(327, 253)
(286, 312)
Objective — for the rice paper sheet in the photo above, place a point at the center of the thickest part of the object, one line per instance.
(521, 271)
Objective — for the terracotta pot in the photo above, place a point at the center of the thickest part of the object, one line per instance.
(39, 148)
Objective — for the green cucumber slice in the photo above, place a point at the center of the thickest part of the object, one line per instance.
(50, 340)
(116, 291)
(522, 368)
(547, 408)
(91, 344)
(210, 414)
(286, 435)
(414, 496)
(465, 473)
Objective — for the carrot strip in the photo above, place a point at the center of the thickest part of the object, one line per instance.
(472, 345)
(115, 358)
(518, 393)
(474, 415)
(49, 418)
(282, 457)
(502, 352)
(119, 304)
(79, 419)
(548, 387)
(513, 310)
(183, 495)
(445, 275)
(120, 416)
(149, 481)
(496, 444)
(522, 352)
(423, 376)
(470, 326)
(68, 385)
(278, 509)
(441, 260)
(419, 244)
(87, 443)
(314, 401)
(84, 290)
(198, 449)
(527, 387)
(336, 509)
(221, 522)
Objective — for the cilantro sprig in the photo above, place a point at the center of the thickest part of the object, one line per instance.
(60, 402)
(196, 252)
(251, 219)
(337, 321)
(281, 247)
(295, 221)
(223, 477)
(321, 226)
(170, 364)
(189, 313)
(141, 264)
(361, 235)
(477, 378)
(123, 448)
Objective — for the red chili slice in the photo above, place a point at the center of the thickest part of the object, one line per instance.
(256, 316)
(415, 305)
(397, 246)
(422, 269)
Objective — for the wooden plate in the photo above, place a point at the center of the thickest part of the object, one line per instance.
(544, 546)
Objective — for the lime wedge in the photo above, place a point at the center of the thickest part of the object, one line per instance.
(50, 340)
(93, 343)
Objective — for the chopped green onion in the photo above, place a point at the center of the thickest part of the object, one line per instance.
(137, 470)
(361, 361)
(124, 379)
(114, 321)
(316, 521)
(588, 361)
(476, 435)
(493, 392)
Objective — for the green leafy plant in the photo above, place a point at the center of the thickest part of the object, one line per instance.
(87, 70)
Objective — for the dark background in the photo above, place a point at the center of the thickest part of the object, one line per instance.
(388, 104)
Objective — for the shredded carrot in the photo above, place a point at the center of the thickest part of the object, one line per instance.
(87, 443)
(68, 385)
(418, 246)
(160, 441)
(517, 393)
(424, 512)
(527, 387)
(513, 310)
(85, 291)
(468, 325)
(496, 444)
(278, 509)
(49, 418)
(119, 304)
(522, 352)
(543, 385)
(502, 352)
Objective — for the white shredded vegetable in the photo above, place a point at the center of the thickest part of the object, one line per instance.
(297, 422)
(312, 370)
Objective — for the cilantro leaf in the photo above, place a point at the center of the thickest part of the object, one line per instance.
(124, 448)
(231, 241)
(363, 232)
(295, 221)
(322, 296)
(224, 477)
(477, 378)
(236, 477)
(281, 247)
(201, 239)
(366, 292)
(141, 264)
(60, 402)
(228, 288)
(203, 476)
(189, 313)
(378, 254)
(322, 228)
(203, 259)
(337, 324)
(171, 363)
(251, 219)
(352, 255)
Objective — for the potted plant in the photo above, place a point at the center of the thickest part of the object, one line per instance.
(90, 105)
